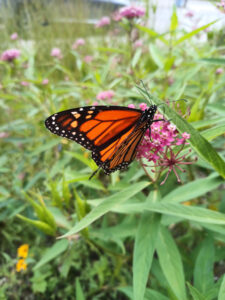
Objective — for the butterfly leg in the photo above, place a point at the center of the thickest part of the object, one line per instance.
(93, 174)
(149, 132)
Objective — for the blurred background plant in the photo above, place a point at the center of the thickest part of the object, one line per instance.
(169, 237)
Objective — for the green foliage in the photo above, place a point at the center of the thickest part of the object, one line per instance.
(122, 236)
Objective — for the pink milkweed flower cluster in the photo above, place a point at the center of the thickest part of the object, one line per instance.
(24, 83)
(221, 5)
(88, 59)
(78, 43)
(158, 145)
(219, 71)
(10, 54)
(138, 44)
(189, 14)
(14, 36)
(56, 52)
(131, 12)
(45, 81)
(104, 21)
(105, 95)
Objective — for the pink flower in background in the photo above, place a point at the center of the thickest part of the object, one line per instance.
(132, 11)
(104, 21)
(138, 44)
(105, 95)
(4, 135)
(14, 36)
(189, 14)
(131, 105)
(10, 54)
(77, 43)
(170, 80)
(24, 83)
(56, 52)
(88, 59)
(95, 103)
(219, 71)
(45, 81)
(116, 16)
(221, 5)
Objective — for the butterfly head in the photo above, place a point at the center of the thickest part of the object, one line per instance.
(150, 112)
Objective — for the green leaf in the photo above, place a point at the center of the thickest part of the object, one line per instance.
(197, 141)
(87, 161)
(174, 20)
(39, 224)
(214, 61)
(46, 146)
(170, 263)
(217, 108)
(205, 123)
(192, 33)
(196, 295)
(221, 295)
(136, 58)
(193, 189)
(203, 270)
(144, 249)
(152, 33)
(155, 53)
(150, 294)
(106, 205)
(191, 213)
(58, 248)
(112, 50)
(79, 291)
(214, 132)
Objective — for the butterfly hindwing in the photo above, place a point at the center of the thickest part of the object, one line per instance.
(125, 153)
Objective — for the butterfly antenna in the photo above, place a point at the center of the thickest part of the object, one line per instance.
(93, 174)
(144, 91)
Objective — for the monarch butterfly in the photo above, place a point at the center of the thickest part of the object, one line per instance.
(112, 133)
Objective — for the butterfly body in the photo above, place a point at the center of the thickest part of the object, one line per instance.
(111, 133)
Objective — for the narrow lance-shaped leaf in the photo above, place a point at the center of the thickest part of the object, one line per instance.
(58, 248)
(106, 205)
(215, 61)
(196, 295)
(221, 295)
(197, 214)
(203, 271)
(144, 248)
(192, 33)
(193, 189)
(170, 262)
(79, 291)
(174, 20)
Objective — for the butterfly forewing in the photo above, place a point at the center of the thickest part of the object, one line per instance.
(101, 129)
